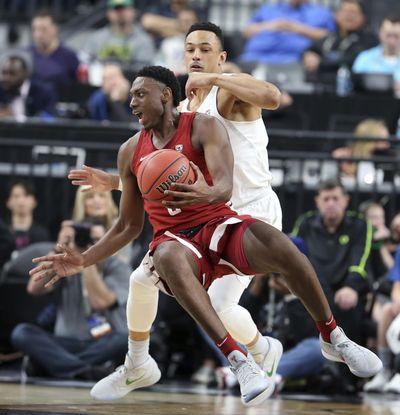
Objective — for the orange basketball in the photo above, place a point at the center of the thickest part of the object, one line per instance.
(160, 170)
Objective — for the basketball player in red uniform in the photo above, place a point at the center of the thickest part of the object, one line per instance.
(196, 241)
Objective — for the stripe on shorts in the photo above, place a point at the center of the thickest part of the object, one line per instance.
(185, 243)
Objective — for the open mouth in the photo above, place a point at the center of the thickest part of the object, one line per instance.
(196, 68)
(138, 114)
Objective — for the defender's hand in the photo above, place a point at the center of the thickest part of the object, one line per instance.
(197, 80)
(96, 180)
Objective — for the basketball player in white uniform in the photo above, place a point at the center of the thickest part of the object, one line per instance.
(237, 100)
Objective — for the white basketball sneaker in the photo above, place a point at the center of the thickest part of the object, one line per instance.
(361, 361)
(125, 379)
(268, 363)
(378, 382)
(254, 388)
(271, 361)
(394, 385)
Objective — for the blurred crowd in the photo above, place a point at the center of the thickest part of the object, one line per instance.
(333, 49)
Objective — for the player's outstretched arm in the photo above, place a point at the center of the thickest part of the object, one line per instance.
(53, 267)
(242, 87)
(129, 225)
(95, 179)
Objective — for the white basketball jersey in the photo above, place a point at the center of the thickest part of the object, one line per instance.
(249, 140)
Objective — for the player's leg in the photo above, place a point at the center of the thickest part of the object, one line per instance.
(267, 249)
(139, 369)
(266, 351)
(178, 266)
(225, 294)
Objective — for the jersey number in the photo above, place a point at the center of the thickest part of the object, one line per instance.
(174, 211)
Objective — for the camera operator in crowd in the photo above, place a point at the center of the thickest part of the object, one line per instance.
(90, 326)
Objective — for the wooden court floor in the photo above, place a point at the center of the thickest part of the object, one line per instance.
(18, 399)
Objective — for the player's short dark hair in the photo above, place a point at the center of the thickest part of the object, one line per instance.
(208, 27)
(331, 184)
(165, 76)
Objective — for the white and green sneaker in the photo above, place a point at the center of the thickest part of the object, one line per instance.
(361, 361)
(254, 387)
(271, 361)
(125, 379)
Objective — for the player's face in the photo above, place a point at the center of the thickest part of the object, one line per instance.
(147, 101)
(332, 203)
(203, 52)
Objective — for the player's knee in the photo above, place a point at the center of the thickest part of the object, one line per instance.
(169, 260)
(221, 303)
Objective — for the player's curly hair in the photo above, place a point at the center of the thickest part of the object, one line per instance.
(166, 77)
(208, 27)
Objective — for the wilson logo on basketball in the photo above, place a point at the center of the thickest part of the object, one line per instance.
(160, 170)
(172, 178)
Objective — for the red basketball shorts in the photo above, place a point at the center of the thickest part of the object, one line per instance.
(217, 248)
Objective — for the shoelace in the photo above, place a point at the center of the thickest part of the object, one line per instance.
(120, 370)
(245, 371)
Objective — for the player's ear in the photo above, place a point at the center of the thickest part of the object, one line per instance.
(166, 95)
(222, 58)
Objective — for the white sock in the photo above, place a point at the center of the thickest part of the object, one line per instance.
(259, 349)
(138, 351)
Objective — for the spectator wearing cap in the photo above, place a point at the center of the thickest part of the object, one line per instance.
(121, 41)
(52, 62)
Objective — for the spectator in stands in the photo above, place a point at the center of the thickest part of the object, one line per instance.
(338, 243)
(363, 149)
(95, 205)
(324, 57)
(21, 202)
(383, 381)
(111, 102)
(279, 33)
(20, 96)
(390, 247)
(52, 62)
(172, 49)
(101, 207)
(122, 40)
(162, 19)
(90, 327)
(384, 58)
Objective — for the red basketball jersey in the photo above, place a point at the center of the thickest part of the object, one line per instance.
(175, 220)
